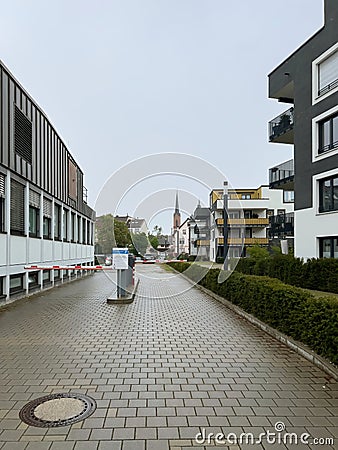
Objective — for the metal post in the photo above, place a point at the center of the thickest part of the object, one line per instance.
(225, 225)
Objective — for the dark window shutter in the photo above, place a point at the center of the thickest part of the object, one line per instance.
(17, 207)
(22, 135)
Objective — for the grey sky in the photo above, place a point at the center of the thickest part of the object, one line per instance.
(122, 79)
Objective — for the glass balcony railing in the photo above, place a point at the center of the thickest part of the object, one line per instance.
(282, 176)
(281, 128)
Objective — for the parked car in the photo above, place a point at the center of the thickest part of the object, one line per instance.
(138, 259)
(148, 258)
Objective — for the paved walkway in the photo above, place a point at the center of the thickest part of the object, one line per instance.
(161, 369)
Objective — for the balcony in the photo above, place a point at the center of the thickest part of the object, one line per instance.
(282, 176)
(261, 221)
(202, 242)
(245, 241)
(281, 128)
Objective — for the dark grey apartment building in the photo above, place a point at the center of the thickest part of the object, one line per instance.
(44, 217)
(308, 81)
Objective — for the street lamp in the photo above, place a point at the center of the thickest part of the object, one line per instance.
(225, 225)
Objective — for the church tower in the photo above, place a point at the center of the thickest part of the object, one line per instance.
(177, 215)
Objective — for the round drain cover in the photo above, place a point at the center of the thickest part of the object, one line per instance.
(57, 410)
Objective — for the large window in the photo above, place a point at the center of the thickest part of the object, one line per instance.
(79, 229)
(328, 194)
(73, 227)
(57, 222)
(328, 134)
(328, 247)
(65, 224)
(288, 196)
(328, 74)
(16, 283)
(2, 203)
(47, 218)
(17, 208)
(34, 214)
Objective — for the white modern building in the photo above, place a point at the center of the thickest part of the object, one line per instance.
(308, 80)
(248, 218)
(44, 216)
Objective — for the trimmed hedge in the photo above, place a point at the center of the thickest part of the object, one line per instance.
(292, 311)
(318, 274)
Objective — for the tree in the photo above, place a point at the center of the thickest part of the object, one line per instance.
(139, 243)
(111, 233)
(153, 241)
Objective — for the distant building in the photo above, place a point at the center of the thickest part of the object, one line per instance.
(183, 237)
(44, 215)
(137, 226)
(308, 80)
(248, 219)
(199, 233)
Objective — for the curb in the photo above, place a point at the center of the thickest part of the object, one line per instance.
(296, 346)
(124, 300)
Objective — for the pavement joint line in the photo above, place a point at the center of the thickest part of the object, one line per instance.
(296, 346)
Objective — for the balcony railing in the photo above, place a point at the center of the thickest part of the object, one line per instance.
(244, 221)
(281, 128)
(245, 241)
(85, 194)
(282, 176)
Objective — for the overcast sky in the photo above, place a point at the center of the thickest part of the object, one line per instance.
(123, 79)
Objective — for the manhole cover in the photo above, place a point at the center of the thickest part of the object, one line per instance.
(57, 410)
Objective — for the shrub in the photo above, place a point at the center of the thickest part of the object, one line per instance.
(319, 274)
(292, 311)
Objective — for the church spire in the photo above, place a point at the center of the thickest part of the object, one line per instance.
(177, 215)
(177, 209)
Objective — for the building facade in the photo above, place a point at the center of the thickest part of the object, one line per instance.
(199, 233)
(248, 211)
(44, 216)
(308, 79)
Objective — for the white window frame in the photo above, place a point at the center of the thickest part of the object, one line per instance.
(315, 136)
(315, 71)
(316, 194)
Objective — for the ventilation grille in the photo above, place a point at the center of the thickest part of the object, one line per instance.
(22, 135)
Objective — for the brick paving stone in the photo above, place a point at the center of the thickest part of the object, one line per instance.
(165, 366)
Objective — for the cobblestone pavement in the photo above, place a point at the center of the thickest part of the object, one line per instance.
(161, 370)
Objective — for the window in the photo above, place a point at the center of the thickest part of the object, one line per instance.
(328, 74)
(328, 194)
(2, 287)
(78, 229)
(2, 203)
(33, 280)
(33, 222)
(17, 208)
(328, 247)
(46, 276)
(65, 225)
(88, 232)
(34, 213)
(73, 227)
(280, 212)
(47, 218)
(57, 222)
(83, 231)
(16, 283)
(270, 212)
(289, 196)
(328, 134)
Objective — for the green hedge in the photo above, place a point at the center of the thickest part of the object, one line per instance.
(294, 312)
(318, 274)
